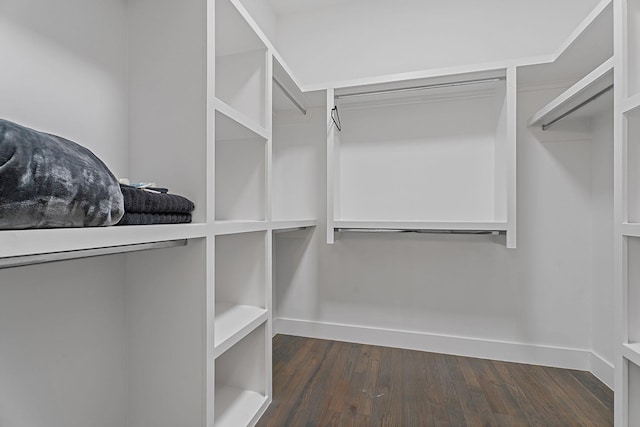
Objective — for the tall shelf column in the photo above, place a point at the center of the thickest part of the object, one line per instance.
(627, 211)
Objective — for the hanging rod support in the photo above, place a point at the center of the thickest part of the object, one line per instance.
(546, 126)
(289, 96)
(414, 88)
(21, 261)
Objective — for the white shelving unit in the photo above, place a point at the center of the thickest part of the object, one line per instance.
(427, 154)
(242, 319)
(133, 90)
(627, 204)
(186, 105)
(245, 165)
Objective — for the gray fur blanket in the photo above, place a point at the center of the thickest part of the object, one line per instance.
(47, 181)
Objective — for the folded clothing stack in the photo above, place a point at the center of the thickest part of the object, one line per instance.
(149, 206)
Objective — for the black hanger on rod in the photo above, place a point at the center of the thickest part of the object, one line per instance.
(336, 118)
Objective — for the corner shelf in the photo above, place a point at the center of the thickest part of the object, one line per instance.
(592, 85)
(588, 46)
(233, 323)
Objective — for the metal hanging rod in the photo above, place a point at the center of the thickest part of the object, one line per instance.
(20, 261)
(422, 231)
(545, 126)
(289, 96)
(414, 88)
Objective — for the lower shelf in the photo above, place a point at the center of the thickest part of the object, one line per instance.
(421, 225)
(234, 322)
(236, 407)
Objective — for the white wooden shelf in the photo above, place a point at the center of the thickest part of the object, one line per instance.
(284, 225)
(232, 124)
(236, 227)
(421, 225)
(236, 407)
(631, 352)
(631, 229)
(41, 241)
(594, 83)
(234, 322)
(631, 103)
(590, 44)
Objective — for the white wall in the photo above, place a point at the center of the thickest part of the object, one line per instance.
(264, 15)
(363, 38)
(63, 325)
(64, 72)
(63, 344)
(469, 288)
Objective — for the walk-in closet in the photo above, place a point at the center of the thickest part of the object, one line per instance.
(382, 213)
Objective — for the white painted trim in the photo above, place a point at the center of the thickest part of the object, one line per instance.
(602, 369)
(557, 357)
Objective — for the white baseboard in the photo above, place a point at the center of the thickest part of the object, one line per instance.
(558, 357)
(602, 369)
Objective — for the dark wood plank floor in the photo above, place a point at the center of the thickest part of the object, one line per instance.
(328, 383)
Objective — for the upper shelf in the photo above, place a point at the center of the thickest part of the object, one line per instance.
(42, 241)
(232, 124)
(432, 89)
(590, 44)
(591, 86)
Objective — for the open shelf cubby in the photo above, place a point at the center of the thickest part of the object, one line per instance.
(298, 148)
(241, 381)
(240, 171)
(241, 63)
(240, 287)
